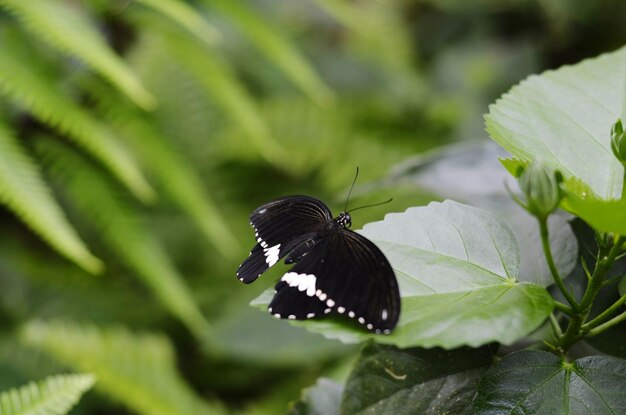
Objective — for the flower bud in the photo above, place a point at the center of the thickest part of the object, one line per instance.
(618, 142)
(542, 187)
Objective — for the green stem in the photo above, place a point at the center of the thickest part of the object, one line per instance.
(603, 265)
(604, 315)
(610, 323)
(545, 242)
(555, 326)
(563, 308)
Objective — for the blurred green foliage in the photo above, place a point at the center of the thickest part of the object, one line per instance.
(136, 137)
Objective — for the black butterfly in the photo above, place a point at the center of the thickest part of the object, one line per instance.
(336, 270)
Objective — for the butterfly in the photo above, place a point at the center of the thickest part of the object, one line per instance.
(335, 269)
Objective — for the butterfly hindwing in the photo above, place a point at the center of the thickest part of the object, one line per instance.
(291, 303)
(280, 226)
(346, 274)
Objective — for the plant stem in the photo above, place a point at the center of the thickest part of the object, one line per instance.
(603, 265)
(563, 308)
(610, 323)
(555, 326)
(605, 315)
(545, 242)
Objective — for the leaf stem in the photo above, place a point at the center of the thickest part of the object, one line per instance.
(599, 329)
(555, 326)
(545, 242)
(563, 308)
(604, 315)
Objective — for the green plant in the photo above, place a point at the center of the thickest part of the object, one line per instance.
(136, 137)
(459, 270)
(55, 395)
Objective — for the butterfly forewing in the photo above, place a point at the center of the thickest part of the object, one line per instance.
(279, 227)
(347, 274)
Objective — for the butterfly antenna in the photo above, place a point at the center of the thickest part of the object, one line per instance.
(345, 208)
(372, 205)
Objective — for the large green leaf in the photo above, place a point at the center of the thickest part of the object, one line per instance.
(260, 339)
(138, 370)
(471, 173)
(564, 117)
(55, 395)
(535, 382)
(457, 268)
(390, 381)
(24, 191)
(66, 26)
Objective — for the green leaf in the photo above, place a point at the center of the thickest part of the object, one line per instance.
(471, 173)
(25, 81)
(55, 395)
(323, 398)
(602, 215)
(219, 80)
(260, 339)
(457, 268)
(94, 197)
(176, 174)
(564, 117)
(389, 381)
(138, 370)
(186, 16)
(535, 382)
(65, 26)
(276, 47)
(23, 191)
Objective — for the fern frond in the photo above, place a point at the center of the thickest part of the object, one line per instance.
(372, 27)
(35, 90)
(186, 16)
(276, 47)
(95, 198)
(138, 370)
(178, 178)
(23, 191)
(55, 395)
(219, 81)
(64, 26)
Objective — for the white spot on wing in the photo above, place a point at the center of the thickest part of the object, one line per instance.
(361, 320)
(304, 282)
(340, 310)
(369, 326)
(271, 254)
(292, 317)
(310, 315)
(351, 314)
(330, 303)
(384, 315)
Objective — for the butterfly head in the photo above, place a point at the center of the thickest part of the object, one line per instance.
(344, 220)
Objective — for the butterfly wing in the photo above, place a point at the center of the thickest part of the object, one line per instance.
(344, 273)
(279, 227)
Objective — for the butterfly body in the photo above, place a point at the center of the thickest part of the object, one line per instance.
(336, 270)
